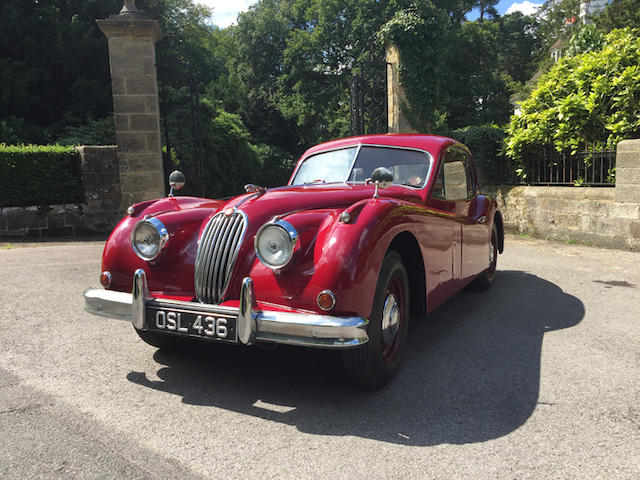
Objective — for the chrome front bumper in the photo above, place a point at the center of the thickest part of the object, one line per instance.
(253, 325)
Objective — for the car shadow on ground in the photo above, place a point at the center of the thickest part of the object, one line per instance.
(471, 374)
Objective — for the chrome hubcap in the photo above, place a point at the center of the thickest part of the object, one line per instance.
(390, 319)
(492, 253)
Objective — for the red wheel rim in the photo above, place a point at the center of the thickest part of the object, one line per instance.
(393, 319)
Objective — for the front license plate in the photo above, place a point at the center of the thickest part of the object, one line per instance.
(213, 326)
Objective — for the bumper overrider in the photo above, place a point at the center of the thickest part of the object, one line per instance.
(253, 325)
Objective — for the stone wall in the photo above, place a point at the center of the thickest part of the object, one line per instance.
(99, 214)
(580, 214)
(606, 217)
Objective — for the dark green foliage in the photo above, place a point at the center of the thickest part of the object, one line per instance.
(269, 87)
(421, 34)
(91, 132)
(54, 69)
(485, 143)
(460, 73)
(39, 175)
(619, 14)
(585, 101)
(276, 165)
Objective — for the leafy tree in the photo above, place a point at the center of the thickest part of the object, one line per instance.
(257, 49)
(619, 14)
(519, 46)
(589, 99)
(456, 75)
(53, 68)
(587, 38)
(552, 17)
(488, 8)
(422, 33)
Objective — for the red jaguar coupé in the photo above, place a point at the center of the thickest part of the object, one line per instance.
(368, 232)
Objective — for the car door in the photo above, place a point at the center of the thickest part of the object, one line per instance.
(455, 192)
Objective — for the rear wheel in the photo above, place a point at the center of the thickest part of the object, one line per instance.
(485, 279)
(374, 364)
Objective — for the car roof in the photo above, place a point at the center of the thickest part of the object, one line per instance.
(430, 143)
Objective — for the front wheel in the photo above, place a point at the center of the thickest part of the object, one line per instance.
(374, 364)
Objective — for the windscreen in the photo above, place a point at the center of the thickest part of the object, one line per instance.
(326, 167)
(408, 167)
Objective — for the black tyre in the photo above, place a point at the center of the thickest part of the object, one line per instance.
(166, 343)
(485, 279)
(374, 364)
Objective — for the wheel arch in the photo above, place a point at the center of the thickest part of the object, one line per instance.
(406, 245)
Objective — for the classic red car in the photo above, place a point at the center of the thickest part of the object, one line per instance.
(368, 231)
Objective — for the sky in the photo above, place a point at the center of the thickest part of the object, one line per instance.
(225, 12)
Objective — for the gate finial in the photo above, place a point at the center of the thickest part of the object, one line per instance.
(129, 8)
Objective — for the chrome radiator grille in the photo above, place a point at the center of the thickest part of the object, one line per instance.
(216, 255)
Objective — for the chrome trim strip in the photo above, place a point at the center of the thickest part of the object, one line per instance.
(305, 329)
(353, 162)
(139, 295)
(108, 303)
(246, 324)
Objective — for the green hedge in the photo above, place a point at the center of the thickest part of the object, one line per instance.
(39, 175)
(485, 143)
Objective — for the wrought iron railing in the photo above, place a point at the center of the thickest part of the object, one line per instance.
(549, 167)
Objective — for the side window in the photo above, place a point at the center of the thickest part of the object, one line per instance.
(438, 187)
(471, 177)
(455, 180)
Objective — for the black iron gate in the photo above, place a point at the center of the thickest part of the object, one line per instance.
(369, 90)
(181, 131)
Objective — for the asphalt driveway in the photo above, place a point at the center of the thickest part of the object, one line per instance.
(537, 378)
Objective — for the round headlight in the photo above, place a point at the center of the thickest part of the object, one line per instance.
(149, 238)
(275, 243)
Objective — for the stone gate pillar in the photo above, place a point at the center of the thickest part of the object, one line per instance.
(132, 59)
(397, 121)
(628, 172)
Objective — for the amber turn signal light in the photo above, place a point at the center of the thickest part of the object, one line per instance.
(326, 300)
(105, 279)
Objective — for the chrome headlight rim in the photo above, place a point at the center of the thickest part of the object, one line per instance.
(292, 235)
(163, 236)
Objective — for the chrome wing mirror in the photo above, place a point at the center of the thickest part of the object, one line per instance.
(382, 178)
(176, 181)
(251, 188)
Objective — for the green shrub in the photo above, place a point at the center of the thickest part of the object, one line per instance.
(277, 165)
(485, 143)
(39, 175)
(586, 101)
